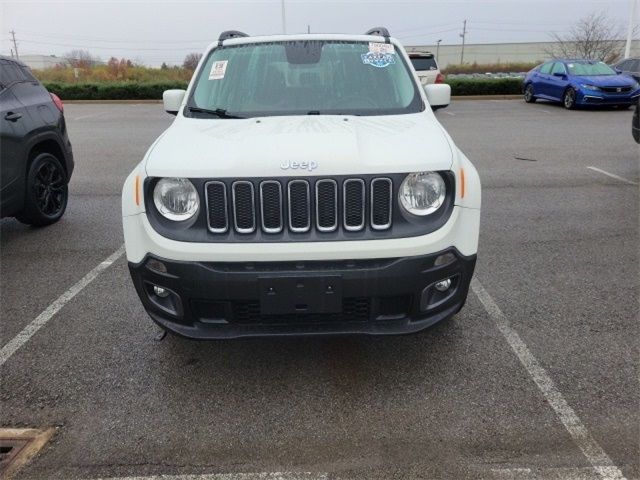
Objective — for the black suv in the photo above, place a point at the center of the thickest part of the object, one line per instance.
(36, 160)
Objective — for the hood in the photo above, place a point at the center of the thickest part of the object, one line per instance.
(300, 145)
(606, 80)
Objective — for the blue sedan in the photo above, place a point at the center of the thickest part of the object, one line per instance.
(580, 82)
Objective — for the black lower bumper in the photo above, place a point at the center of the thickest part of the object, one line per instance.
(208, 300)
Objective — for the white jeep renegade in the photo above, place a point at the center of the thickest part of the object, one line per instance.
(305, 187)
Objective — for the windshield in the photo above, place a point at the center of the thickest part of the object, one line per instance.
(305, 77)
(424, 63)
(590, 69)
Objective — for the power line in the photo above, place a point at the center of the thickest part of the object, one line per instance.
(96, 47)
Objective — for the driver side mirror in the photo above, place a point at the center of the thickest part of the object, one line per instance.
(438, 95)
(172, 99)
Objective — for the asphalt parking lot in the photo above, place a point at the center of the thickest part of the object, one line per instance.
(537, 377)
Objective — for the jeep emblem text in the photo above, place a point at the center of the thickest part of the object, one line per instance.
(299, 165)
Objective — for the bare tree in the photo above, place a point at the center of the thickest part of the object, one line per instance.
(594, 37)
(191, 61)
(81, 58)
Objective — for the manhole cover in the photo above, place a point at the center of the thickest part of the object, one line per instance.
(18, 446)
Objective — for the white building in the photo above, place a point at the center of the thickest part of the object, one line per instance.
(41, 62)
(498, 52)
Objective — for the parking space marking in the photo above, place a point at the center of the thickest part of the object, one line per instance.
(89, 115)
(612, 175)
(598, 458)
(560, 473)
(232, 476)
(41, 320)
(450, 113)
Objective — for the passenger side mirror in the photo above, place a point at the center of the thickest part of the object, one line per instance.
(438, 95)
(560, 74)
(172, 99)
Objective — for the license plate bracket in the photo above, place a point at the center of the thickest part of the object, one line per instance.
(302, 295)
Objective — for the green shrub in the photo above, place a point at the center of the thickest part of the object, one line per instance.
(112, 91)
(482, 86)
(153, 91)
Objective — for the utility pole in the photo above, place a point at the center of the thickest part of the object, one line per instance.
(632, 22)
(464, 37)
(438, 50)
(15, 45)
(284, 19)
(308, 28)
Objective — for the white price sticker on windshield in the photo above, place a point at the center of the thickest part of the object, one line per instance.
(375, 47)
(218, 69)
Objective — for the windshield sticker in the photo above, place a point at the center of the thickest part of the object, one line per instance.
(380, 60)
(218, 70)
(375, 47)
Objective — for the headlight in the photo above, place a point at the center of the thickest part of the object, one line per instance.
(176, 198)
(590, 87)
(422, 193)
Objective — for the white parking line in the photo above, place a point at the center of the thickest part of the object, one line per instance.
(89, 115)
(232, 476)
(597, 457)
(450, 113)
(29, 331)
(560, 473)
(612, 175)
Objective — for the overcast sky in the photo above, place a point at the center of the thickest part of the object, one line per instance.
(154, 31)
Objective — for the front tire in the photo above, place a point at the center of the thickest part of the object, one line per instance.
(47, 192)
(529, 97)
(569, 99)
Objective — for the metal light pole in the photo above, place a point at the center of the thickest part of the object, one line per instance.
(632, 21)
(284, 19)
(438, 50)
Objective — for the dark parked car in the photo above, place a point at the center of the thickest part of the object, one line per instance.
(629, 66)
(580, 82)
(36, 160)
(635, 123)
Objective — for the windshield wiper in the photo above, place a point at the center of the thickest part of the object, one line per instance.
(218, 112)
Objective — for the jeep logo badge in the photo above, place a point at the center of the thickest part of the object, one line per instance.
(299, 165)
(619, 90)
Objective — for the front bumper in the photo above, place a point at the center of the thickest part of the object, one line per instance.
(602, 98)
(216, 300)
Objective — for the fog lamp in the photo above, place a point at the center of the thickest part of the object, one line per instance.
(443, 285)
(161, 292)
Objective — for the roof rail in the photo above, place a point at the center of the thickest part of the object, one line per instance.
(228, 34)
(381, 31)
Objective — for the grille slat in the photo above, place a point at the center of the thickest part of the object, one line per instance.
(381, 206)
(299, 205)
(326, 205)
(244, 207)
(353, 202)
(216, 198)
(271, 203)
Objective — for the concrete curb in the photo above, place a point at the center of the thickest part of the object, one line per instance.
(457, 97)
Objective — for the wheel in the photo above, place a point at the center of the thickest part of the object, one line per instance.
(46, 192)
(569, 99)
(528, 94)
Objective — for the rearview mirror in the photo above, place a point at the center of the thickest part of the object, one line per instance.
(172, 99)
(438, 95)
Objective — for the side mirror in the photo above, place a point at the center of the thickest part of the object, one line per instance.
(172, 99)
(559, 74)
(438, 95)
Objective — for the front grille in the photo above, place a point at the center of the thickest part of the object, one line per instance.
(299, 206)
(616, 89)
